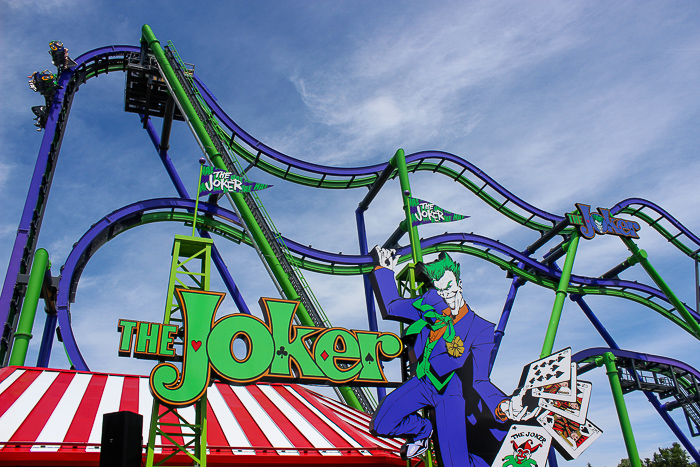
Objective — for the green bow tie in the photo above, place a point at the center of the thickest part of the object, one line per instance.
(441, 321)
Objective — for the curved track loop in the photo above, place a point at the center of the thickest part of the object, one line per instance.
(226, 224)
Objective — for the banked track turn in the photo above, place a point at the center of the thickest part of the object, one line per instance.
(116, 58)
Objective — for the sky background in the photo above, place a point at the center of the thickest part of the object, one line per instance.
(560, 102)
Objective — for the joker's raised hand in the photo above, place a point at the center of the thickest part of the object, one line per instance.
(521, 406)
(384, 258)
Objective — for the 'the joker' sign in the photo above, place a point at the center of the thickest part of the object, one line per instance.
(601, 223)
(275, 349)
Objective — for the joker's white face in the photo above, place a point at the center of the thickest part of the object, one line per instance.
(450, 289)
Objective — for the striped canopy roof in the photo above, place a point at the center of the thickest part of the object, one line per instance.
(54, 417)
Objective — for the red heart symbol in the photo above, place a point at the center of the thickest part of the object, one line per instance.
(196, 345)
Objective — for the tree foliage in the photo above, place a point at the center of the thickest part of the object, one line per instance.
(675, 456)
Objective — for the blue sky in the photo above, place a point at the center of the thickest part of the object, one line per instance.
(560, 102)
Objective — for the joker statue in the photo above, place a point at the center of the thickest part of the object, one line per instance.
(450, 358)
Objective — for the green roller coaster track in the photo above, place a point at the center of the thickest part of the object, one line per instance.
(237, 235)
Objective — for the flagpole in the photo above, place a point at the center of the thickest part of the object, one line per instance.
(202, 161)
(399, 161)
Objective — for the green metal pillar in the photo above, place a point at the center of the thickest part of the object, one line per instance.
(31, 300)
(571, 247)
(408, 274)
(608, 359)
(399, 161)
(191, 269)
(641, 255)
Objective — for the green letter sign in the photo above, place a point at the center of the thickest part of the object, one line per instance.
(275, 349)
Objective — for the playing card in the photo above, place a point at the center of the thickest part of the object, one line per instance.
(570, 438)
(559, 391)
(553, 369)
(575, 411)
(524, 446)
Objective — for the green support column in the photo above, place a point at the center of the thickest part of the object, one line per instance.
(190, 268)
(570, 247)
(641, 255)
(608, 359)
(399, 161)
(31, 300)
(408, 274)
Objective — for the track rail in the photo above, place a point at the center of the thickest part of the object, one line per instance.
(226, 224)
(666, 376)
(662, 221)
(89, 65)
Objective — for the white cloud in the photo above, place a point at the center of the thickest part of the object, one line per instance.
(417, 80)
(42, 6)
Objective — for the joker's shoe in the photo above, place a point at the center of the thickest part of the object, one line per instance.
(415, 448)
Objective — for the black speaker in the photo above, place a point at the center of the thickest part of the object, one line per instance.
(121, 439)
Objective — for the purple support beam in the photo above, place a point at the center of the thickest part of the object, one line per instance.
(369, 297)
(219, 263)
(505, 314)
(42, 360)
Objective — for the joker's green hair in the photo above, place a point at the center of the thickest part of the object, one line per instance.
(436, 269)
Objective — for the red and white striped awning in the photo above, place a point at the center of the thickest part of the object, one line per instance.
(54, 417)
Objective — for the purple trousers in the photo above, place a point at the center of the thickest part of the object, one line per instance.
(397, 416)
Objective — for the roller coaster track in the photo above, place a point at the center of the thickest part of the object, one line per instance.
(664, 376)
(234, 141)
(259, 213)
(294, 170)
(466, 174)
(89, 65)
(227, 225)
(662, 221)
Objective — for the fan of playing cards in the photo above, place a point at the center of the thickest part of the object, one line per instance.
(561, 408)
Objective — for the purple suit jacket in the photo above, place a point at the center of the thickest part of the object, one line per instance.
(476, 334)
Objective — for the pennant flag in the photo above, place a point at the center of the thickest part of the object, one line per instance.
(424, 212)
(219, 181)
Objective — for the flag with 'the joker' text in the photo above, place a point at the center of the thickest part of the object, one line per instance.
(220, 181)
(424, 212)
